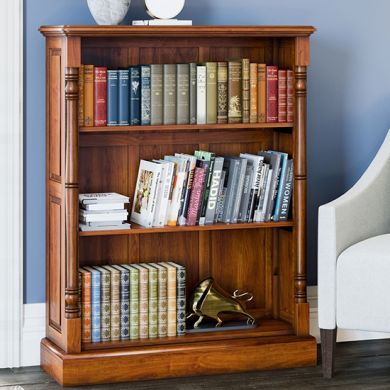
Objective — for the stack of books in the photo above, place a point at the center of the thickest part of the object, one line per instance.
(103, 211)
(205, 189)
(234, 91)
(131, 302)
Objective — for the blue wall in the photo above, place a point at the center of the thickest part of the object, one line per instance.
(349, 96)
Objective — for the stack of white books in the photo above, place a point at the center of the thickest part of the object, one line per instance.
(103, 211)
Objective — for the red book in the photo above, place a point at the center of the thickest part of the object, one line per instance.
(100, 98)
(85, 279)
(282, 96)
(272, 93)
(290, 96)
(196, 196)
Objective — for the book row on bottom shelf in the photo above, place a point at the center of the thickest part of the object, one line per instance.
(234, 91)
(131, 302)
(199, 189)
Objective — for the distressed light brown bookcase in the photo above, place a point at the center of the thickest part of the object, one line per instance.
(267, 259)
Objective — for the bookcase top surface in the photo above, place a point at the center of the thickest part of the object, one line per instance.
(179, 31)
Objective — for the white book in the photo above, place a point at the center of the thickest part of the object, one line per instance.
(103, 206)
(103, 217)
(201, 94)
(102, 197)
(159, 194)
(145, 197)
(102, 223)
(262, 188)
(100, 212)
(87, 228)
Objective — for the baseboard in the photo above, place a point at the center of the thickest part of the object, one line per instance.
(34, 329)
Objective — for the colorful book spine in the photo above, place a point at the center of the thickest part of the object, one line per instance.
(153, 301)
(235, 92)
(112, 98)
(201, 95)
(162, 302)
(100, 96)
(88, 95)
(245, 90)
(214, 191)
(253, 93)
(81, 95)
(196, 196)
(156, 85)
(180, 299)
(169, 88)
(105, 299)
(192, 93)
(123, 97)
(222, 92)
(287, 192)
(171, 299)
(183, 94)
(86, 319)
(115, 303)
(135, 95)
(290, 96)
(145, 95)
(282, 96)
(95, 305)
(272, 94)
(261, 93)
(134, 302)
(211, 92)
(124, 302)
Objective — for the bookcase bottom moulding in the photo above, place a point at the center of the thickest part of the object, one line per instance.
(175, 360)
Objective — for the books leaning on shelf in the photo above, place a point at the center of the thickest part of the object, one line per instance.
(103, 211)
(131, 302)
(204, 189)
(233, 91)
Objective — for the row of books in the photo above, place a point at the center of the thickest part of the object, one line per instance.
(215, 92)
(205, 189)
(130, 302)
(103, 211)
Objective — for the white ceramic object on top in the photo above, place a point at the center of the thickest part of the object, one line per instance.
(108, 12)
(164, 9)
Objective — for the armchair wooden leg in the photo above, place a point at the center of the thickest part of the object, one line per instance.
(328, 345)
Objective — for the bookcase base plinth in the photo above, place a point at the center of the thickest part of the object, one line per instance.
(155, 362)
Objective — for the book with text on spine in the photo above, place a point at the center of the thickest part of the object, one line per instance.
(95, 304)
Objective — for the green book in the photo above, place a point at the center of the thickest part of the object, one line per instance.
(162, 315)
(105, 299)
(153, 300)
(211, 92)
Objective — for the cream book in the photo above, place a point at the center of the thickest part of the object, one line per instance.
(102, 197)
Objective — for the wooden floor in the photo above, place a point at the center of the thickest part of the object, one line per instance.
(359, 365)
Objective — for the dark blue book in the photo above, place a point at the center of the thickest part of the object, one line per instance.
(135, 95)
(95, 304)
(123, 97)
(145, 94)
(112, 98)
(124, 302)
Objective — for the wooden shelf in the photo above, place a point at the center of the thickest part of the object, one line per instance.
(267, 327)
(174, 128)
(137, 229)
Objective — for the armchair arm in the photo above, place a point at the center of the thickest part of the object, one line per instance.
(362, 212)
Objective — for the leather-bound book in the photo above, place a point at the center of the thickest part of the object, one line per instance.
(261, 93)
(100, 92)
(86, 319)
(201, 94)
(88, 95)
(112, 97)
(145, 95)
(235, 92)
(193, 93)
(253, 93)
(169, 111)
(183, 90)
(211, 92)
(272, 94)
(245, 90)
(282, 96)
(290, 96)
(81, 95)
(123, 97)
(156, 77)
(135, 95)
(222, 92)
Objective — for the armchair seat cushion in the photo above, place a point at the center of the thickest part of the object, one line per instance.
(363, 285)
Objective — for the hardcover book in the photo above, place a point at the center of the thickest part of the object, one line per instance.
(81, 96)
(143, 301)
(235, 92)
(196, 195)
(171, 299)
(86, 319)
(162, 301)
(193, 93)
(105, 299)
(245, 90)
(123, 97)
(287, 192)
(170, 98)
(214, 191)
(261, 93)
(102, 198)
(100, 96)
(201, 95)
(282, 96)
(222, 92)
(232, 165)
(246, 191)
(135, 95)
(112, 98)
(259, 215)
(145, 95)
(88, 95)
(253, 93)
(290, 96)
(183, 94)
(211, 92)
(156, 74)
(153, 300)
(239, 191)
(145, 196)
(95, 304)
(124, 301)
(272, 94)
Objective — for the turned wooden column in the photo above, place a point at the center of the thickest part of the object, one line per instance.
(72, 309)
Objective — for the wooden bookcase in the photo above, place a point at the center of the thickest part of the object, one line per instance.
(267, 259)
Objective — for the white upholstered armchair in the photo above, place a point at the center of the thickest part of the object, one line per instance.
(354, 258)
